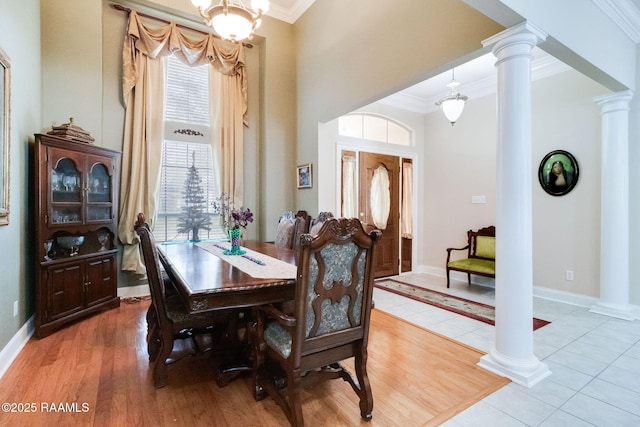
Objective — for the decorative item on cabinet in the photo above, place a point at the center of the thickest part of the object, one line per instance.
(76, 192)
(72, 132)
(71, 244)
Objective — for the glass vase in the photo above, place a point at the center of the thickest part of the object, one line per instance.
(234, 238)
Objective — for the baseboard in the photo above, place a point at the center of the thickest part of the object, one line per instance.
(15, 345)
(540, 292)
(134, 291)
(20, 339)
(565, 297)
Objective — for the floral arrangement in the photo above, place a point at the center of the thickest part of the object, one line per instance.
(231, 218)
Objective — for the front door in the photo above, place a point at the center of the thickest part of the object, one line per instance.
(379, 207)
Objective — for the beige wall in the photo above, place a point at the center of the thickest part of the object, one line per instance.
(325, 65)
(350, 57)
(72, 64)
(330, 85)
(456, 163)
(565, 229)
(460, 162)
(20, 40)
(82, 79)
(270, 137)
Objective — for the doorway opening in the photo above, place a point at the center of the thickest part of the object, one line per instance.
(377, 188)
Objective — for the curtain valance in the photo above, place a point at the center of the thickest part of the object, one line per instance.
(227, 58)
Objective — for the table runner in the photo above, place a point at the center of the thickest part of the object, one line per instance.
(253, 263)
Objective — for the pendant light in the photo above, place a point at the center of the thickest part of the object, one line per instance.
(452, 104)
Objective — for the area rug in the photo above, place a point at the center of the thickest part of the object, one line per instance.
(474, 310)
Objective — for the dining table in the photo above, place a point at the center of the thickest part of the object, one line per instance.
(206, 279)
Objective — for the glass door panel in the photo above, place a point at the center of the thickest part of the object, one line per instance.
(99, 213)
(66, 182)
(99, 184)
(65, 214)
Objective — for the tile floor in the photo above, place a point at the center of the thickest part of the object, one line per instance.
(594, 359)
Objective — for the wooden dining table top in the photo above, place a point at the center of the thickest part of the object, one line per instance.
(207, 282)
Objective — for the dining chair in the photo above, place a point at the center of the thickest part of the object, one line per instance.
(329, 321)
(301, 226)
(173, 332)
(284, 230)
(317, 223)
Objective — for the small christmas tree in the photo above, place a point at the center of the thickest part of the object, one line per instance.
(194, 216)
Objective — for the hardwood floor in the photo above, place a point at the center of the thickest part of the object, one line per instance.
(98, 371)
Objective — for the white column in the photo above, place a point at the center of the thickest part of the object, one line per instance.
(614, 207)
(512, 356)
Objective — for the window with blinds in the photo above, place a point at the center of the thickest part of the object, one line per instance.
(187, 143)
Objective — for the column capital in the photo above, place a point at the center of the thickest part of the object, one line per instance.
(523, 33)
(616, 101)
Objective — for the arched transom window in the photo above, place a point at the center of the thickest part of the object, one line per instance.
(374, 128)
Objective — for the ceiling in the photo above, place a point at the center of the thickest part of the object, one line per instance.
(477, 77)
(290, 10)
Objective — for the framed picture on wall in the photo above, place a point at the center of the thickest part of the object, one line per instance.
(304, 176)
(558, 172)
(5, 93)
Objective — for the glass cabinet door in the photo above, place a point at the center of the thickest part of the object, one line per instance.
(66, 192)
(99, 184)
(99, 193)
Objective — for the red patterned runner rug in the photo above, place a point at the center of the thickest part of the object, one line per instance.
(474, 310)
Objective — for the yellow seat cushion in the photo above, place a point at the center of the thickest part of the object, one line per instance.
(486, 247)
(485, 266)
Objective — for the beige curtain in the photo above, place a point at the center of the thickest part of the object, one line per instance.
(380, 197)
(349, 192)
(407, 200)
(143, 81)
(227, 111)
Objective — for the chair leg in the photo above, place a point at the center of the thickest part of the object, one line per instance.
(153, 334)
(469, 278)
(447, 277)
(366, 398)
(294, 399)
(256, 337)
(160, 368)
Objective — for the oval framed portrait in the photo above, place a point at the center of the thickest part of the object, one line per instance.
(558, 172)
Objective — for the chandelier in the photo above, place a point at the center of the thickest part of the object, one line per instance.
(452, 104)
(231, 19)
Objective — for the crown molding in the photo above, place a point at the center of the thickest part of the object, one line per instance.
(541, 68)
(624, 14)
(289, 14)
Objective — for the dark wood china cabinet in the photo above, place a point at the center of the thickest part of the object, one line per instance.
(76, 195)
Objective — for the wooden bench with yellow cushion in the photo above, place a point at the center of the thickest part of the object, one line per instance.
(481, 254)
